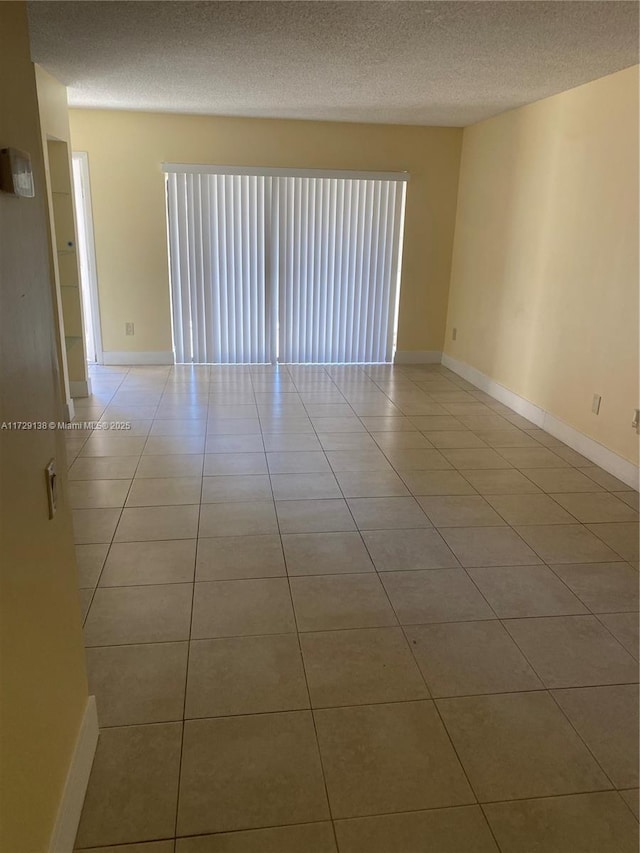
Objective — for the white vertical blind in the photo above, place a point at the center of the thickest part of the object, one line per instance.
(294, 267)
(220, 286)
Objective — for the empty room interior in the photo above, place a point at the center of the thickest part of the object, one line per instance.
(319, 429)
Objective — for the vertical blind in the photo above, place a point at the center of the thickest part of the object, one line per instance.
(283, 266)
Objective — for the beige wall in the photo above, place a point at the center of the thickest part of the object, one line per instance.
(544, 284)
(125, 152)
(43, 691)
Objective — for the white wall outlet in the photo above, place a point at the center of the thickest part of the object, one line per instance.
(454, 334)
(52, 487)
(128, 329)
(595, 405)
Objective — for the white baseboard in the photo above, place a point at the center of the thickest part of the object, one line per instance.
(424, 356)
(80, 388)
(135, 358)
(69, 410)
(66, 825)
(612, 462)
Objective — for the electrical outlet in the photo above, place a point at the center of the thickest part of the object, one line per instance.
(454, 334)
(128, 329)
(52, 487)
(635, 423)
(595, 405)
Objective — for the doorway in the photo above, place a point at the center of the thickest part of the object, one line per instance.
(86, 256)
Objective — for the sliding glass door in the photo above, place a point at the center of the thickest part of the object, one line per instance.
(282, 265)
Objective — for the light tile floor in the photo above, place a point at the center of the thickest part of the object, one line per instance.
(354, 609)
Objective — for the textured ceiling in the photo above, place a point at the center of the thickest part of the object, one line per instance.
(430, 63)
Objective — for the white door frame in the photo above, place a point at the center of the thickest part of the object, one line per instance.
(86, 214)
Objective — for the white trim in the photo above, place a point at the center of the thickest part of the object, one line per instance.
(69, 410)
(80, 387)
(418, 356)
(607, 459)
(87, 214)
(127, 358)
(66, 826)
(344, 174)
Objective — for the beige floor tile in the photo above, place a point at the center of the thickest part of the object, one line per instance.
(344, 424)
(234, 444)
(507, 482)
(138, 684)
(230, 489)
(216, 464)
(625, 627)
(164, 491)
(314, 516)
(308, 837)
(397, 550)
(587, 823)
(297, 462)
(250, 771)
(85, 494)
(401, 440)
(604, 479)
(346, 441)
(139, 614)
(386, 758)
(245, 675)
(507, 438)
(133, 788)
(596, 507)
(237, 557)
(488, 546)
(289, 487)
(630, 498)
(141, 524)
(572, 651)
(437, 483)
(417, 460)
(94, 526)
(460, 511)
(566, 543)
(454, 830)
(388, 423)
(173, 426)
(515, 591)
(436, 595)
(370, 484)
(533, 457)
(358, 460)
(331, 602)
(517, 745)
(242, 607)
(561, 480)
(139, 563)
(173, 465)
(530, 509)
(277, 442)
(603, 587)
(466, 658)
(238, 519)
(472, 459)
(325, 553)
(145, 847)
(623, 538)
(85, 598)
(357, 667)
(454, 439)
(101, 443)
(606, 718)
(439, 423)
(387, 513)
(632, 799)
(249, 427)
(90, 560)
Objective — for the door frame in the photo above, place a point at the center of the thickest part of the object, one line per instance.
(86, 214)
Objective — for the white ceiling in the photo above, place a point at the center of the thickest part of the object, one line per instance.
(427, 63)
